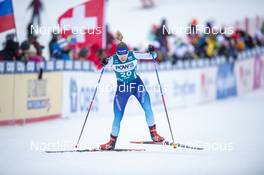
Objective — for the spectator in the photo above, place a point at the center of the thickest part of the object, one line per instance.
(101, 55)
(93, 57)
(10, 51)
(161, 36)
(231, 50)
(34, 41)
(29, 31)
(210, 46)
(83, 54)
(194, 24)
(37, 7)
(29, 52)
(110, 43)
(221, 45)
(158, 35)
(183, 51)
(259, 38)
(262, 28)
(54, 39)
(61, 50)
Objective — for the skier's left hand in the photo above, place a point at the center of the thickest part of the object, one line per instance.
(151, 48)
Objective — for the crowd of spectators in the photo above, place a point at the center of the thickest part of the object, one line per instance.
(28, 50)
(196, 45)
(59, 49)
(202, 45)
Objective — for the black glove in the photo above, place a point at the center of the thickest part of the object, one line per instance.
(104, 61)
(151, 48)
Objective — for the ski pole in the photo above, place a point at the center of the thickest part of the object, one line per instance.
(162, 97)
(90, 106)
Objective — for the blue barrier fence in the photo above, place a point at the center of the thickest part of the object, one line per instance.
(8, 67)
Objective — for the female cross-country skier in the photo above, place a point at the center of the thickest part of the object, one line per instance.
(124, 64)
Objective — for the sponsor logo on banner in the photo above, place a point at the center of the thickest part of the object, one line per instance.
(244, 71)
(37, 95)
(78, 93)
(154, 91)
(10, 67)
(31, 67)
(123, 68)
(73, 95)
(30, 99)
(206, 82)
(38, 104)
(20, 67)
(226, 81)
(2, 67)
(184, 89)
(80, 97)
(244, 75)
(258, 66)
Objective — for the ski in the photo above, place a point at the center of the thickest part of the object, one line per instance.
(95, 150)
(177, 145)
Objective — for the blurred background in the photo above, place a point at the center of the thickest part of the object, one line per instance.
(140, 21)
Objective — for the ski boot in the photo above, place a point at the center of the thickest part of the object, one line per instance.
(109, 145)
(154, 135)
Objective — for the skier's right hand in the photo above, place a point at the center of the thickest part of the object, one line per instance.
(105, 61)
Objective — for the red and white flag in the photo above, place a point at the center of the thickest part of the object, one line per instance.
(86, 22)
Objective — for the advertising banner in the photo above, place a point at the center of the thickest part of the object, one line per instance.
(258, 66)
(26, 99)
(208, 79)
(180, 89)
(6, 98)
(244, 71)
(186, 87)
(78, 89)
(226, 81)
(37, 100)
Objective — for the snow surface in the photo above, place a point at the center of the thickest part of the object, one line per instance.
(231, 131)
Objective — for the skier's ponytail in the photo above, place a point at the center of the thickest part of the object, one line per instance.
(119, 36)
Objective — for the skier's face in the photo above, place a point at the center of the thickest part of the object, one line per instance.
(123, 57)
